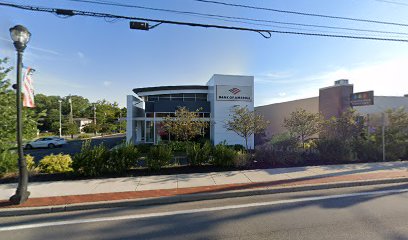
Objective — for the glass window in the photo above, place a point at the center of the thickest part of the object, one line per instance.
(207, 115)
(201, 97)
(149, 114)
(149, 131)
(163, 114)
(161, 133)
(164, 97)
(142, 130)
(152, 98)
(177, 97)
(189, 97)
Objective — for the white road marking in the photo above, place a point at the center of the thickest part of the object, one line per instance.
(212, 209)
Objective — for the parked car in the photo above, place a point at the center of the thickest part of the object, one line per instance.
(47, 142)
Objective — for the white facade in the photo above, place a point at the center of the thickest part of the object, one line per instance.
(224, 92)
(219, 86)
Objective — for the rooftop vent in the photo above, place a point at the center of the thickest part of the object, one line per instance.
(341, 82)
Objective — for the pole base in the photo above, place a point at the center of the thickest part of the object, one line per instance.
(18, 199)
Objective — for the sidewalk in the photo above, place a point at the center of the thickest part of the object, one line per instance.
(83, 194)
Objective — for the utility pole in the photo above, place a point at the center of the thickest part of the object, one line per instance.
(94, 108)
(120, 121)
(383, 136)
(71, 117)
(60, 118)
(368, 125)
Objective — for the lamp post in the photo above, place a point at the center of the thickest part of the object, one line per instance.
(20, 36)
(60, 119)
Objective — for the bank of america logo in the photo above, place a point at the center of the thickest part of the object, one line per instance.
(235, 90)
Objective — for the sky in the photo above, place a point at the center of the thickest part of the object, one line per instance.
(102, 59)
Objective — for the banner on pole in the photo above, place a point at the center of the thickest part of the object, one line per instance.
(28, 88)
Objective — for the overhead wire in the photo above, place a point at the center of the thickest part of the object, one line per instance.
(393, 2)
(226, 18)
(303, 13)
(267, 33)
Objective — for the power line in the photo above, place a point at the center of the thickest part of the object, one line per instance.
(267, 33)
(393, 2)
(227, 18)
(303, 13)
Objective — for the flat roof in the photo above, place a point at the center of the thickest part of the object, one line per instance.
(162, 88)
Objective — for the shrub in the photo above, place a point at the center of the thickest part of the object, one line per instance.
(31, 166)
(144, 148)
(242, 159)
(56, 164)
(178, 146)
(367, 151)
(158, 157)
(90, 161)
(122, 158)
(83, 136)
(334, 151)
(284, 142)
(197, 154)
(223, 155)
(278, 156)
(8, 162)
(238, 147)
(264, 153)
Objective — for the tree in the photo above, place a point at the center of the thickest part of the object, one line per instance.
(70, 129)
(8, 112)
(92, 128)
(80, 106)
(246, 123)
(302, 124)
(345, 128)
(50, 106)
(185, 125)
(107, 115)
(396, 134)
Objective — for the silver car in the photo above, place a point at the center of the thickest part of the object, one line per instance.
(47, 142)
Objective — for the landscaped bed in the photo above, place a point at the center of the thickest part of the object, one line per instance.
(128, 160)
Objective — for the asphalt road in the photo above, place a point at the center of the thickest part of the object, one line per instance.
(73, 147)
(363, 213)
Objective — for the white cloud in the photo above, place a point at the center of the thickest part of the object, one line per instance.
(274, 77)
(81, 55)
(107, 83)
(30, 47)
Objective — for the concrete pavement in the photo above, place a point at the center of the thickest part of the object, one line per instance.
(66, 193)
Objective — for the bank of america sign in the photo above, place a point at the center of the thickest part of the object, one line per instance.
(234, 93)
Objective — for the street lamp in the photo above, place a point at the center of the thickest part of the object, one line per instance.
(20, 36)
(60, 119)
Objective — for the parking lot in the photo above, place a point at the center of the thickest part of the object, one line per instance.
(73, 147)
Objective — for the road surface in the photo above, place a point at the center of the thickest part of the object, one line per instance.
(73, 147)
(363, 213)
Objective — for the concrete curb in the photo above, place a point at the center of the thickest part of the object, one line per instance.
(191, 197)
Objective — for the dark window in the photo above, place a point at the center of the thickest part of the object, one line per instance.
(189, 97)
(206, 115)
(149, 114)
(177, 97)
(163, 114)
(201, 97)
(152, 98)
(164, 97)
